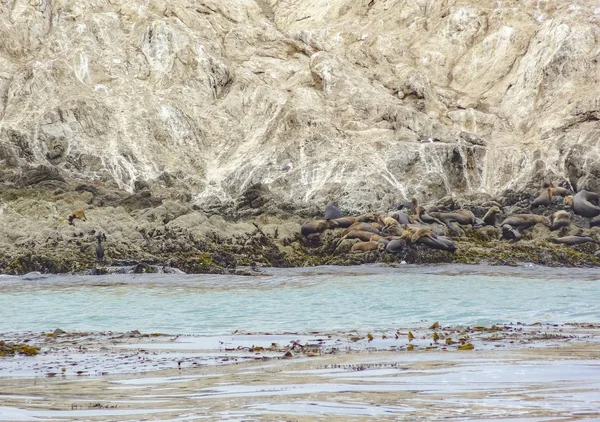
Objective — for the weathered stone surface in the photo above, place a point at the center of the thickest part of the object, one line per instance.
(213, 97)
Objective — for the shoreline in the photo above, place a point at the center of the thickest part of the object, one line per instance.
(543, 371)
(149, 232)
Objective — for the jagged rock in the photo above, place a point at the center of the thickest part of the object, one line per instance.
(211, 98)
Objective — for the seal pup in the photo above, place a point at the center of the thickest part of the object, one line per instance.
(584, 203)
(317, 226)
(560, 219)
(577, 239)
(332, 211)
(489, 219)
(524, 221)
(100, 248)
(544, 198)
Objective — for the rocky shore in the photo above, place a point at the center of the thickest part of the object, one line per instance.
(154, 230)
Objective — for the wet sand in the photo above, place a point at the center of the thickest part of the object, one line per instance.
(514, 372)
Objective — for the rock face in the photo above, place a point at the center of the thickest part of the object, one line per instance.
(364, 102)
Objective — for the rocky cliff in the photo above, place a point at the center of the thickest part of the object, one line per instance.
(364, 101)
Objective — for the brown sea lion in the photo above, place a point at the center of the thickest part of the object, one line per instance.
(359, 234)
(410, 205)
(560, 219)
(489, 219)
(573, 240)
(524, 221)
(332, 211)
(556, 190)
(380, 239)
(420, 233)
(361, 226)
(317, 226)
(421, 215)
(345, 222)
(77, 214)
(367, 246)
(462, 216)
(367, 218)
(584, 203)
(544, 198)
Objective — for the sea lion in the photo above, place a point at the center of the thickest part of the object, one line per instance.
(489, 219)
(77, 214)
(396, 246)
(441, 242)
(560, 219)
(509, 233)
(332, 211)
(525, 221)
(556, 190)
(345, 222)
(462, 216)
(411, 205)
(400, 216)
(367, 218)
(367, 246)
(585, 203)
(100, 248)
(573, 240)
(421, 215)
(380, 239)
(365, 236)
(420, 233)
(317, 226)
(362, 227)
(544, 198)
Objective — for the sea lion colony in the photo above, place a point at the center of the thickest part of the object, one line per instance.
(411, 224)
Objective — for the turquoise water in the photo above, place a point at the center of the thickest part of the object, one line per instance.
(301, 300)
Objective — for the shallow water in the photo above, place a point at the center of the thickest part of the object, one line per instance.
(301, 300)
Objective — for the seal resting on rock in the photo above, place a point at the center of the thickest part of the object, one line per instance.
(544, 198)
(345, 222)
(367, 246)
(380, 239)
(332, 211)
(441, 242)
(462, 216)
(556, 190)
(317, 226)
(524, 221)
(396, 246)
(560, 219)
(584, 203)
(361, 227)
(573, 240)
(363, 235)
(422, 216)
(400, 216)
